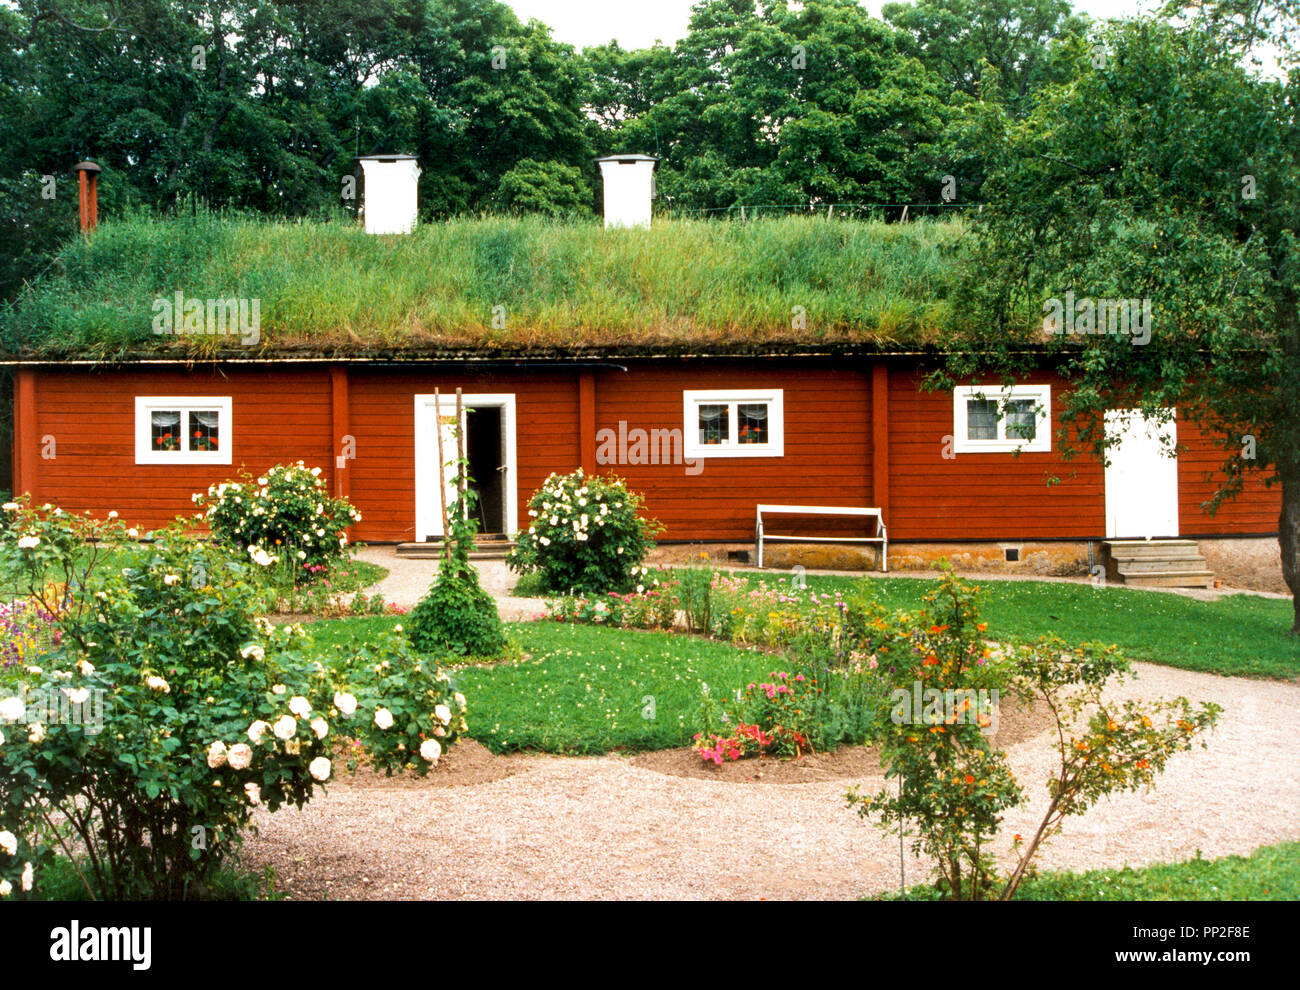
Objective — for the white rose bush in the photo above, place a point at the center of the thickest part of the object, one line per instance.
(586, 535)
(208, 712)
(284, 515)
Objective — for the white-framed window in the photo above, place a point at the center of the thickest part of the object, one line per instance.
(735, 422)
(991, 418)
(182, 429)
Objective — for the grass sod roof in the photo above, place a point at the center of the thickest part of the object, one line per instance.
(327, 289)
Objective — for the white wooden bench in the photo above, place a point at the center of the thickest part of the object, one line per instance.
(822, 510)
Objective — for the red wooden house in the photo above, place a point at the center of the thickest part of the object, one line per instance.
(705, 436)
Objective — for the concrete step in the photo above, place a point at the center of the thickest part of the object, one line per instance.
(1170, 579)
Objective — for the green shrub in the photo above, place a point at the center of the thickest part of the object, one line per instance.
(954, 786)
(587, 535)
(457, 616)
(286, 514)
(167, 711)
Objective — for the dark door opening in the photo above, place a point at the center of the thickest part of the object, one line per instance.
(485, 450)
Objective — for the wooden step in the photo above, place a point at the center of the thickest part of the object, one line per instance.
(1170, 579)
(1157, 564)
(1136, 549)
(1149, 565)
(490, 547)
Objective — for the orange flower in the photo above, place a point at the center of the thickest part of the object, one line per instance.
(935, 630)
(970, 779)
(1112, 726)
(981, 626)
(983, 721)
(930, 661)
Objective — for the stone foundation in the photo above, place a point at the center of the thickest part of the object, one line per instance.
(1246, 562)
(1252, 563)
(1036, 559)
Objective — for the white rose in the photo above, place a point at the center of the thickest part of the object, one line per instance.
(28, 542)
(285, 727)
(9, 843)
(320, 768)
(240, 756)
(27, 876)
(443, 713)
(254, 651)
(37, 733)
(300, 706)
(78, 696)
(430, 750)
(217, 755)
(12, 710)
(133, 533)
(460, 699)
(156, 683)
(278, 689)
(85, 668)
(319, 726)
(6, 888)
(171, 580)
(254, 793)
(345, 703)
(112, 514)
(10, 507)
(383, 718)
(257, 730)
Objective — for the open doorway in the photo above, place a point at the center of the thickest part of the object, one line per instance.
(489, 430)
(486, 451)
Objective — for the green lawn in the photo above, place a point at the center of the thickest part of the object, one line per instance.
(1270, 873)
(582, 689)
(1243, 635)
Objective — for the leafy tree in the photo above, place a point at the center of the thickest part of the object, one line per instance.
(1165, 171)
(544, 187)
(957, 39)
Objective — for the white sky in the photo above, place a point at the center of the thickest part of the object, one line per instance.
(637, 23)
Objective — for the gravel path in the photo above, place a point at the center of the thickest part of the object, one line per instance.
(409, 578)
(600, 827)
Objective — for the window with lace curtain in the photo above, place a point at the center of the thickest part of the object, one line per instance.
(182, 430)
(995, 419)
(733, 423)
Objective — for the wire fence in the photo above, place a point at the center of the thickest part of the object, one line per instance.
(889, 212)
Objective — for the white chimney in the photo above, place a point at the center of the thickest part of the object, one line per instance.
(390, 203)
(629, 182)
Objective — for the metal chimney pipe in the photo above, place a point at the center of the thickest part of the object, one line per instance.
(88, 191)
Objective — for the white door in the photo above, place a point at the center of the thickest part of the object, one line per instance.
(1141, 478)
(428, 508)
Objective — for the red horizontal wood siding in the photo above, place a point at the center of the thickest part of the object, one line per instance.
(980, 496)
(278, 414)
(289, 412)
(1254, 511)
(827, 444)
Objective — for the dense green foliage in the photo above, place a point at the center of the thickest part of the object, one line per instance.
(587, 534)
(1165, 174)
(287, 513)
(167, 711)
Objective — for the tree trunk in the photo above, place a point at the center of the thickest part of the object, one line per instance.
(1288, 537)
